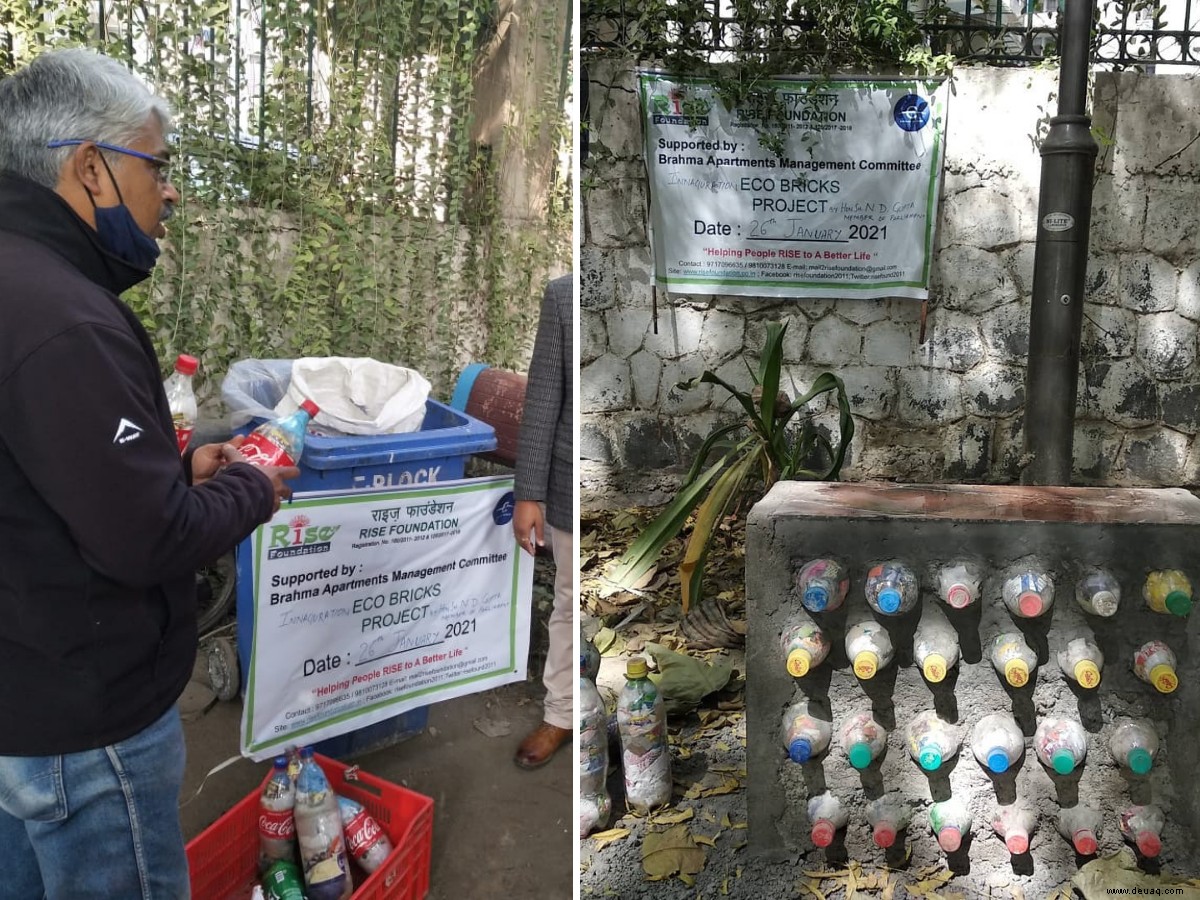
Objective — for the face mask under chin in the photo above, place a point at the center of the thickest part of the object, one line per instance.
(120, 234)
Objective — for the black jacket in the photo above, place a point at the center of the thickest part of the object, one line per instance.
(100, 532)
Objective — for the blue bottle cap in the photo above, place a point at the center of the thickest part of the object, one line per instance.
(931, 758)
(889, 600)
(800, 750)
(816, 597)
(997, 761)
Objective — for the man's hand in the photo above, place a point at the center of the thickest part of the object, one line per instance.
(209, 459)
(277, 474)
(529, 525)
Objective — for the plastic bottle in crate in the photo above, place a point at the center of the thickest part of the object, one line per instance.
(319, 831)
(283, 882)
(642, 722)
(594, 802)
(181, 398)
(276, 822)
(279, 442)
(366, 840)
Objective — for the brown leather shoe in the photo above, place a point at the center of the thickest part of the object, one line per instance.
(540, 745)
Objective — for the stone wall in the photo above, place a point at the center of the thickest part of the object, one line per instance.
(949, 409)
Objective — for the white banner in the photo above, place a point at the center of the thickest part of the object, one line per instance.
(368, 605)
(847, 210)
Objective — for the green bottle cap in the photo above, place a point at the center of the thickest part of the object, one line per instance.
(1179, 602)
(1140, 761)
(860, 755)
(931, 759)
(1063, 762)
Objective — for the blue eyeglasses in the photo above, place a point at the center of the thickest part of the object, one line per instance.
(161, 165)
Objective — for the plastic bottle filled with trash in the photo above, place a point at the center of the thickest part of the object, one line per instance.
(1143, 827)
(1015, 823)
(319, 831)
(1081, 826)
(279, 442)
(950, 820)
(366, 841)
(595, 805)
(1012, 658)
(823, 584)
(935, 645)
(283, 881)
(1028, 592)
(997, 742)
(828, 816)
(1168, 591)
(1081, 660)
(1060, 743)
(642, 722)
(932, 740)
(863, 739)
(1154, 662)
(804, 644)
(1134, 744)
(276, 819)
(869, 647)
(958, 583)
(888, 816)
(892, 588)
(181, 398)
(804, 735)
(1098, 592)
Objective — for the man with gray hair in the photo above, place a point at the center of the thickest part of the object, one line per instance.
(102, 525)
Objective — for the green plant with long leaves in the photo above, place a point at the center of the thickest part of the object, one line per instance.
(767, 446)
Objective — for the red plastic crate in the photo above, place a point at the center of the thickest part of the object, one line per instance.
(223, 859)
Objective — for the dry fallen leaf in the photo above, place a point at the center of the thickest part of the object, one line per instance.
(604, 838)
(673, 818)
(704, 839)
(665, 853)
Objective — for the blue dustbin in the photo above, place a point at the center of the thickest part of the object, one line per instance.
(438, 452)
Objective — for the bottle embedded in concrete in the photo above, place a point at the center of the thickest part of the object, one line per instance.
(1081, 826)
(1155, 663)
(1060, 743)
(958, 583)
(595, 805)
(888, 816)
(869, 647)
(1028, 592)
(804, 644)
(804, 734)
(863, 739)
(997, 742)
(828, 816)
(892, 588)
(1015, 822)
(932, 740)
(1098, 592)
(950, 820)
(1134, 744)
(823, 584)
(1081, 660)
(1143, 827)
(1012, 658)
(642, 723)
(1168, 591)
(935, 645)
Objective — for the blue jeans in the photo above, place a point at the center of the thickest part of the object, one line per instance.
(98, 824)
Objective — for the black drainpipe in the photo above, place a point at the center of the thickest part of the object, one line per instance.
(1060, 263)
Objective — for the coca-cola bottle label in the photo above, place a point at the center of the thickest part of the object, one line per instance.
(362, 833)
(276, 825)
(260, 450)
(183, 434)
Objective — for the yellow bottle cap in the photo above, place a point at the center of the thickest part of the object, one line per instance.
(1087, 673)
(934, 667)
(798, 663)
(1164, 678)
(1016, 672)
(635, 668)
(866, 664)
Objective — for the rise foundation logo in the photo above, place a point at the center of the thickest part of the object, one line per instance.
(300, 537)
(676, 107)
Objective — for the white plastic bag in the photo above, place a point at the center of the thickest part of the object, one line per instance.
(358, 396)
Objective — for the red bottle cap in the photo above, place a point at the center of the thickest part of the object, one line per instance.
(1030, 604)
(1085, 843)
(1017, 843)
(186, 365)
(311, 408)
(885, 835)
(1149, 844)
(822, 833)
(949, 838)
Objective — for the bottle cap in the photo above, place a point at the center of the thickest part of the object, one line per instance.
(822, 832)
(1179, 602)
(1149, 843)
(1017, 842)
(1030, 604)
(997, 761)
(1085, 842)
(1087, 673)
(816, 597)
(958, 596)
(800, 750)
(934, 667)
(1104, 603)
(949, 838)
(860, 755)
(279, 762)
(866, 664)
(311, 408)
(930, 758)
(1016, 672)
(884, 835)
(186, 365)
(1063, 762)
(635, 668)
(1164, 678)
(889, 600)
(1140, 761)
(798, 663)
